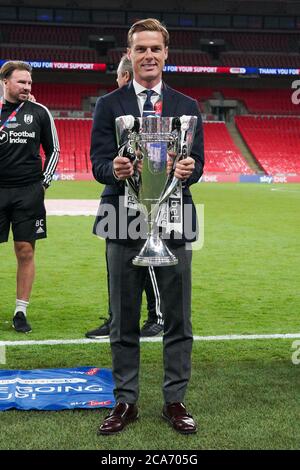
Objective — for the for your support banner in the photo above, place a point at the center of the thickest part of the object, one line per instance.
(56, 389)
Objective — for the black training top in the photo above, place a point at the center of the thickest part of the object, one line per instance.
(20, 140)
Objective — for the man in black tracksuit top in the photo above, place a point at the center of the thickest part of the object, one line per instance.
(24, 126)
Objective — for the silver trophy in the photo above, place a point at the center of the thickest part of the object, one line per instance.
(150, 139)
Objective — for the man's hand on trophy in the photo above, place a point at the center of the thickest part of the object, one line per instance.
(139, 166)
(122, 168)
(183, 169)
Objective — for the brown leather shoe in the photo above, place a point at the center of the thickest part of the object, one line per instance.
(179, 419)
(119, 417)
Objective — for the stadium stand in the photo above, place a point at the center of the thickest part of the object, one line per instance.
(38, 34)
(273, 141)
(56, 35)
(276, 101)
(49, 54)
(64, 43)
(221, 154)
(257, 41)
(181, 39)
(74, 137)
(61, 96)
(247, 59)
(197, 93)
(185, 45)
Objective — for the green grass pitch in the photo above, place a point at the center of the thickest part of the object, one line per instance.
(245, 281)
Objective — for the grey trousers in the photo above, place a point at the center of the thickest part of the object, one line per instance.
(126, 287)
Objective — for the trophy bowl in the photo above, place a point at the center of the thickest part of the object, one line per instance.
(150, 139)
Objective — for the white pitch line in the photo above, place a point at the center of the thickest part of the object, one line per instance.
(72, 207)
(284, 190)
(155, 339)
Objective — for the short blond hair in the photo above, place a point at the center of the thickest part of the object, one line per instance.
(148, 24)
(9, 67)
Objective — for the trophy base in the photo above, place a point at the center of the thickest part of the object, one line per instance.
(155, 253)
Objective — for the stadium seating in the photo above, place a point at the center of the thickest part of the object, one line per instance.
(257, 41)
(74, 137)
(261, 101)
(185, 38)
(65, 97)
(264, 101)
(221, 153)
(57, 35)
(260, 60)
(197, 93)
(49, 54)
(273, 141)
(188, 58)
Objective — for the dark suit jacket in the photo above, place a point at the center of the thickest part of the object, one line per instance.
(104, 145)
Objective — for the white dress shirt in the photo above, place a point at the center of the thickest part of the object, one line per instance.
(141, 96)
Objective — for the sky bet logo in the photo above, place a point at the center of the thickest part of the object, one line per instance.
(3, 137)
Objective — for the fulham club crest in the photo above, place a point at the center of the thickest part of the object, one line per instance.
(28, 118)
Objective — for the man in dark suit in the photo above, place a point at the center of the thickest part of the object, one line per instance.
(148, 50)
(153, 325)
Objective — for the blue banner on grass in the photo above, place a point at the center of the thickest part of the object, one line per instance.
(56, 389)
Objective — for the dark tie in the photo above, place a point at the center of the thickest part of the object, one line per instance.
(148, 109)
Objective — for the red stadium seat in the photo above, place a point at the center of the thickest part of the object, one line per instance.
(62, 96)
(277, 101)
(273, 141)
(74, 137)
(221, 153)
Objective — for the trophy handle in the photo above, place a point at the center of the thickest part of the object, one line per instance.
(170, 188)
(179, 125)
(128, 146)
